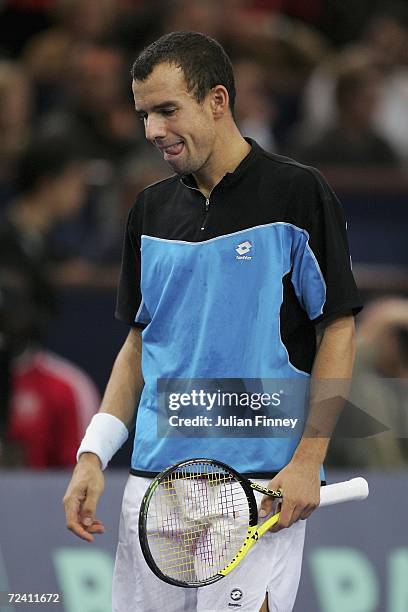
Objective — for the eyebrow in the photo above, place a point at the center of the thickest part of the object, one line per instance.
(158, 107)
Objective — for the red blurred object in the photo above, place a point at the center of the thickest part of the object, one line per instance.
(52, 403)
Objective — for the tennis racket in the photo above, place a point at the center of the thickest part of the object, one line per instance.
(199, 519)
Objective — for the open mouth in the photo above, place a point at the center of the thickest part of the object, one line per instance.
(173, 150)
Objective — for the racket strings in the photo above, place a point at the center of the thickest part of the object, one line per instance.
(198, 519)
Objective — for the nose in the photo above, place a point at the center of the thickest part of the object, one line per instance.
(155, 127)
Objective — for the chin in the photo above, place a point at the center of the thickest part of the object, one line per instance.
(183, 167)
(180, 169)
(177, 169)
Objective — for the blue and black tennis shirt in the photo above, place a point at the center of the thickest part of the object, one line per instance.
(232, 287)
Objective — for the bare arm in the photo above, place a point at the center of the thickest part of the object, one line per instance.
(125, 384)
(332, 370)
(331, 375)
(120, 399)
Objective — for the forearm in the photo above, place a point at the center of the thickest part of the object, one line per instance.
(106, 434)
(330, 382)
(125, 384)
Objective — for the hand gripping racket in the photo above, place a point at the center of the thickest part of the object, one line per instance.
(199, 518)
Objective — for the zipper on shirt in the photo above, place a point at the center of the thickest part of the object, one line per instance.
(207, 201)
(207, 206)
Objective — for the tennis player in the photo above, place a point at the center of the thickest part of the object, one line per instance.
(228, 269)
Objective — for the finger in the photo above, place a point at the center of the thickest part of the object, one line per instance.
(268, 503)
(266, 506)
(79, 531)
(72, 504)
(308, 511)
(85, 532)
(88, 508)
(300, 511)
(96, 527)
(297, 514)
(286, 513)
(73, 522)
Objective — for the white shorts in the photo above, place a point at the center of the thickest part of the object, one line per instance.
(272, 566)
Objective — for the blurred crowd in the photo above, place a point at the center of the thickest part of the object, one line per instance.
(321, 81)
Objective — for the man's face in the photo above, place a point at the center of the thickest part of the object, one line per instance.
(180, 127)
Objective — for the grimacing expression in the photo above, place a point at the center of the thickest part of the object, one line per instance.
(179, 126)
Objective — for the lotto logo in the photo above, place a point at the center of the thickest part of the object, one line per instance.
(244, 248)
(236, 594)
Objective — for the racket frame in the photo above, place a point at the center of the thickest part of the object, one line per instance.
(254, 530)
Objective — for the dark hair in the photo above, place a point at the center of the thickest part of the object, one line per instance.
(350, 81)
(45, 157)
(203, 61)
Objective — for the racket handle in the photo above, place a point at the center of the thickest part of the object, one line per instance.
(350, 490)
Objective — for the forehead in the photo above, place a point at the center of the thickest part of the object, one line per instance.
(165, 82)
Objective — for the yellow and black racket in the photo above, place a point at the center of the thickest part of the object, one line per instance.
(199, 518)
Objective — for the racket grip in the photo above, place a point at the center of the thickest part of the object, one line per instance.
(350, 490)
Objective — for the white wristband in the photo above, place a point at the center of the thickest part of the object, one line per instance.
(104, 436)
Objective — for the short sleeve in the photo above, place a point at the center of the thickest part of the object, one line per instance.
(322, 274)
(130, 307)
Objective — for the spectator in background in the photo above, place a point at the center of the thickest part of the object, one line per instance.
(208, 17)
(46, 54)
(96, 114)
(51, 189)
(46, 400)
(15, 123)
(133, 175)
(87, 20)
(352, 140)
(286, 50)
(379, 388)
(383, 43)
(254, 109)
(387, 36)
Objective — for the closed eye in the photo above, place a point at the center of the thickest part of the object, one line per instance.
(167, 112)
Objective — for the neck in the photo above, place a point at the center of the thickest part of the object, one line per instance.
(227, 154)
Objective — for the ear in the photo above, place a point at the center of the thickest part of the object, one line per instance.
(219, 100)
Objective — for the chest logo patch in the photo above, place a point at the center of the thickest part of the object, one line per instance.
(243, 249)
